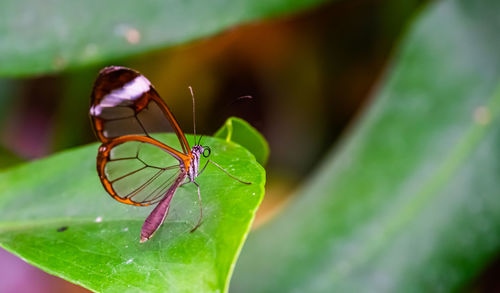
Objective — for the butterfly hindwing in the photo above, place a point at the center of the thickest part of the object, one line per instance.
(136, 172)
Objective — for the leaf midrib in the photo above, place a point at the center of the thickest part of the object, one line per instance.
(6, 226)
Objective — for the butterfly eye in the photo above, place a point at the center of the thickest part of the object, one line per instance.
(206, 152)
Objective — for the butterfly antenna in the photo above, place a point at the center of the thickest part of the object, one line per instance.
(194, 114)
(239, 99)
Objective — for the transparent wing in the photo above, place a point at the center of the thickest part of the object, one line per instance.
(136, 172)
(125, 103)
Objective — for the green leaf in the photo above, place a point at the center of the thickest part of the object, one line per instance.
(409, 202)
(55, 214)
(239, 131)
(47, 36)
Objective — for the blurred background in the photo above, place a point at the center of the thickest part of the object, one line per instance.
(309, 75)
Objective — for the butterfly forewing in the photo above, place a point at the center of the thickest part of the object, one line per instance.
(134, 164)
(125, 103)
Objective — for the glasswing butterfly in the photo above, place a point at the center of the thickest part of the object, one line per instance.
(134, 165)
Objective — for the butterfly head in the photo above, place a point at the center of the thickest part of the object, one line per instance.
(201, 150)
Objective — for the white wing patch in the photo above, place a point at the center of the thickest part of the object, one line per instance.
(125, 95)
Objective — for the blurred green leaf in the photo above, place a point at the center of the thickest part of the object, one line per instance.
(9, 88)
(409, 202)
(72, 125)
(47, 36)
(55, 214)
(7, 158)
(239, 131)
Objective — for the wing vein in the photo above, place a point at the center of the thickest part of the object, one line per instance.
(128, 174)
(144, 185)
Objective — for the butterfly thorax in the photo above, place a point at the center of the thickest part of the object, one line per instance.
(194, 165)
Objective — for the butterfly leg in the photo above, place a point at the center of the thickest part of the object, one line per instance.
(201, 209)
(227, 173)
(203, 169)
(185, 182)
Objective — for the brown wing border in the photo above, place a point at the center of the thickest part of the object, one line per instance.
(103, 157)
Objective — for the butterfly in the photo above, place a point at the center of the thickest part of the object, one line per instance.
(133, 163)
